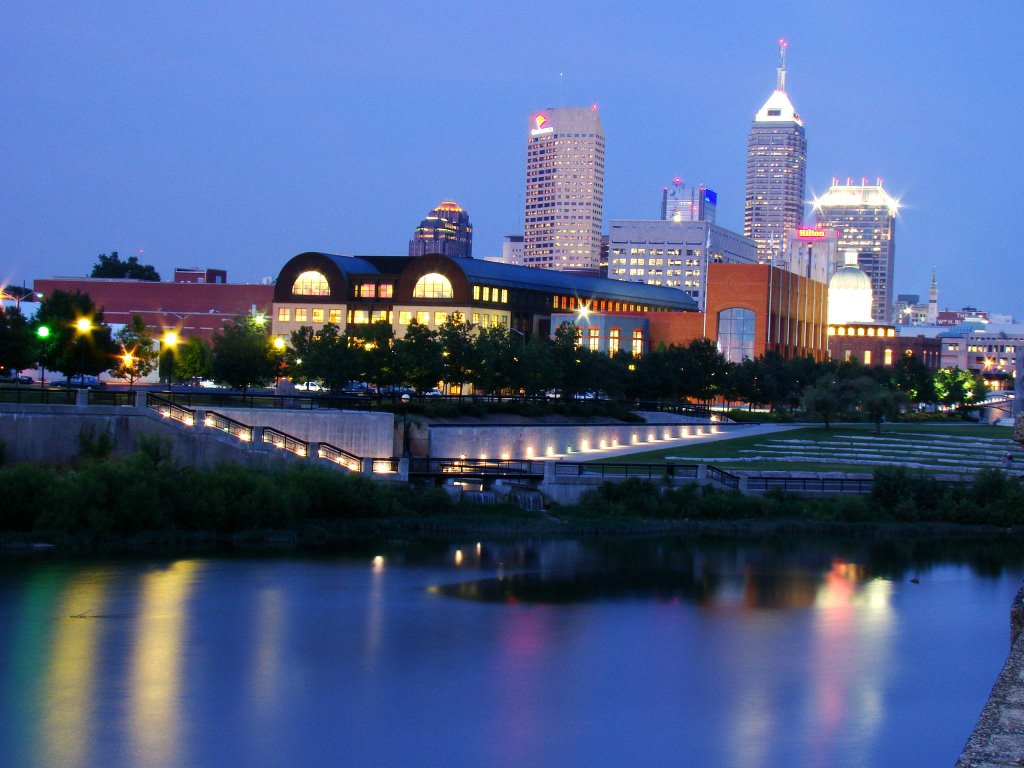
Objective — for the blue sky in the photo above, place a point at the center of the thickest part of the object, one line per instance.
(240, 134)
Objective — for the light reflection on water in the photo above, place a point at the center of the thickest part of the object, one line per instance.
(562, 653)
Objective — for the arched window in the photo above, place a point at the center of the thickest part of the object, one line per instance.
(433, 286)
(736, 334)
(311, 284)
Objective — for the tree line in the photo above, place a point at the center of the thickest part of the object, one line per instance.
(460, 357)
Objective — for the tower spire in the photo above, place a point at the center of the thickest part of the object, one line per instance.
(780, 82)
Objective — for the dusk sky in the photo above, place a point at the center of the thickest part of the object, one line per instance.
(237, 135)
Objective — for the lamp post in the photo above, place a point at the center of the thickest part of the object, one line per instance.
(170, 340)
(42, 333)
(83, 326)
(405, 425)
(279, 346)
(128, 363)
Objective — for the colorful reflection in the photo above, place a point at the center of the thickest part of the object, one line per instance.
(157, 662)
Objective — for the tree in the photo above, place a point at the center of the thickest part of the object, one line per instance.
(193, 360)
(498, 356)
(876, 401)
(326, 356)
(374, 344)
(137, 356)
(535, 373)
(824, 400)
(78, 341)
(16, 345)
(703, 370)
(112, 266)
(458, 351)
(956, 387)
(418, 357)
(911, 377)
(243, 356)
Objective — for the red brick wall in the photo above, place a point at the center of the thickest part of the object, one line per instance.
(183, 307)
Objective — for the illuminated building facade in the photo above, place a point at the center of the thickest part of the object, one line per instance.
(313, 289)
(682, 203)
(564, 190)
(446, 230)
(865, 217)
(673, 254)
(811, 252)
(776, 170)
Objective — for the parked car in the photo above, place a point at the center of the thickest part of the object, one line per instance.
(16, 378)
(435, 392)
(356, 388)
(310, 386)
(81, 381)
(397, 390)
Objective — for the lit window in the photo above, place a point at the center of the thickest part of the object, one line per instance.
(386, 291)
(366, 290)
(476, 318)
(334, 316)
(301, 315)
(613, 341)
(867, 357)
(440, 318)
(638, 342)
(360, 316)
(476, 293)
(284, 314)
(311, 284)
(736, 327)
(423, 318)
(404, 317)
(318, 315)
(433, 286)
(379, 315)
(594, 339)
(888, 357)
(504, 296)
(487, 293)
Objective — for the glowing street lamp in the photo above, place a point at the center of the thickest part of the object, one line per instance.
(169, 340)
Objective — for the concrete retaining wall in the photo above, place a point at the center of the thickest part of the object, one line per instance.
(574, 441)
(359, 432)
(998, 738)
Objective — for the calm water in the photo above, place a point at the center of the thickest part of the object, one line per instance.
(562, 653)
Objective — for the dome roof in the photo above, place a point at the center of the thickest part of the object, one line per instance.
(849, 278)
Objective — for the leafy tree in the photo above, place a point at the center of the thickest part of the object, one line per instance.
(824, 400)
(498, 356)
(193, 360)
(112, 266)
(16, 346)
(876, 401)
(911, 377)
(326, 356)
(458, 351)
(535, 372)
(956, 387)
(375, 352)
(243, 356)
(418, 357)
(137, 356)
(703, 370)
(67, 348)
(568, 356)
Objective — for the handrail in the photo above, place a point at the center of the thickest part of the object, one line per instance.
(339, 456)
(727, 479)
(605, 469)
(285, 442)
(464, 466)
(810, 484)
(169, 410)
(109, 397)
(43, 395)
(224, 423)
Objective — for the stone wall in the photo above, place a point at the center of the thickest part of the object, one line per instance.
(577, 442)
(359, 432)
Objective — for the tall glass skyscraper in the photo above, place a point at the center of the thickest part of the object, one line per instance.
(564, 190)
(865, 217)
(776, 169)
(446, 230)
(682, 203)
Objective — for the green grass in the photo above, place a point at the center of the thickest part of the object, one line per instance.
(722, 451)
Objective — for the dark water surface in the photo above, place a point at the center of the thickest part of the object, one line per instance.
(563, 653)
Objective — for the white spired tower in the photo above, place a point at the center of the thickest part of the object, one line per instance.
(776, 170)
(933, 301)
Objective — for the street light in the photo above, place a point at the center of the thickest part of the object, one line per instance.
(279, 345)
(82, 326)
(43, 333)
(170, 340)
(405, 425)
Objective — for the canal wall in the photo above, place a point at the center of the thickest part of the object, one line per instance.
(359, 432)
(998, 738)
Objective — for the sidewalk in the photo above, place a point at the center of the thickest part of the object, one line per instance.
(729, 432)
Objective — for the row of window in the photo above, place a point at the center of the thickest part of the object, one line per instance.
(488, 293)
(308, 315)
(373, 291)
(860, 331)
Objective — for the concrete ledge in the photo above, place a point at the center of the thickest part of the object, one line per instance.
(998, 738)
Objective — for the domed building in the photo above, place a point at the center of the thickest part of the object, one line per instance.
(446, 231)
(849, 294)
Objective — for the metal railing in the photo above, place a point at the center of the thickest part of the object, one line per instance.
(111, 397)
(810, 484)
(606, 469)
(204, 399)
(340, 456)
(285, 442)
(685, 409)
(475, 467)
(169, 410)
(722, 477)
(37, 395)
(226, 424)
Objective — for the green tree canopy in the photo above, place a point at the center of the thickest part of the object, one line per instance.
(193, 360)
(112, 266)
(243, 356)
(418, 356)
(136, 354)
(17, 350)
(68, 348)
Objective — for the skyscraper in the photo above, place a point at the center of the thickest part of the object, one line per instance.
(682, 203)
(564, 189)
(446, 230)
(865, 216)
(776, 167)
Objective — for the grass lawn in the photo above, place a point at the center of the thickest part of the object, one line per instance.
(725, 452)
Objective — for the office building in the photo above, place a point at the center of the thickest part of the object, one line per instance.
(564, 190)
(811, 252)
(865, 217)
(673, 254)
(682, 203)
(446, 230)
(776, 169)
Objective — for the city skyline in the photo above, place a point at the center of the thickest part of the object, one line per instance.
(237, 139)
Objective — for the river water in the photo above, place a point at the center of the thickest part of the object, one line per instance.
(657, 652)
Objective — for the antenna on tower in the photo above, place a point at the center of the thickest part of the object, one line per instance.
(780, 84)
(561, 81)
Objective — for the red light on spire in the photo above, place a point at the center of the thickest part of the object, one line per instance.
(677, 180)
(593, 106)
(782, 42)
